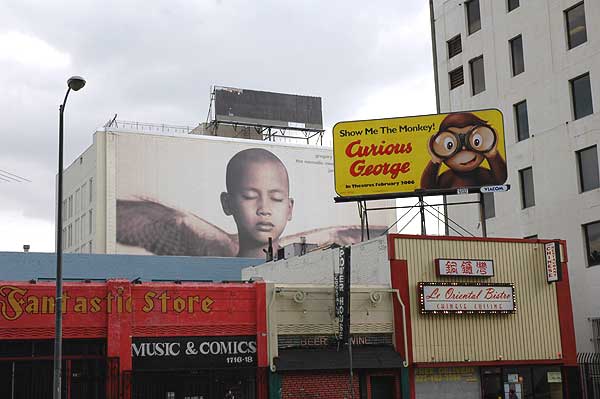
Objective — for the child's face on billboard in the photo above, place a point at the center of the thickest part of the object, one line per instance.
(260, 203)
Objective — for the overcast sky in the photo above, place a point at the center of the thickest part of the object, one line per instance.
(155, 61)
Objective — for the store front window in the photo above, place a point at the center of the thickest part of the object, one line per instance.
(527, 382)
(195, 384)
(26, 369)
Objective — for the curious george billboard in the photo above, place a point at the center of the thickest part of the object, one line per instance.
(428, 154)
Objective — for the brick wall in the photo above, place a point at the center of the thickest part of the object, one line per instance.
(318, 385)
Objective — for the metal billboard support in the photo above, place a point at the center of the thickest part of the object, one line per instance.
(482, 216)
(424, 208)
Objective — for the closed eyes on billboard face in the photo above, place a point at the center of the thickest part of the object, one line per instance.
(205, 196)
(428, 154)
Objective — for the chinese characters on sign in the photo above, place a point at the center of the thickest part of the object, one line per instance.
(553, 269)
(466, 298)
(464, 267)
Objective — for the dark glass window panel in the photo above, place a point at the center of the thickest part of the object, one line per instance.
(587, 160)
(477, 75)
(544, 389)
(581, 93)
(576, 30)
(491, 383)
(454, 46)
(592, 240)
(473, 16)
(522, 120)
(457, 78)
(524, 377)
(527, 190)
(512, 4)
(489, 205)
(516, 54)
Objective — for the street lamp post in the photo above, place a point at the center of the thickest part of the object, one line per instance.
(74, 83)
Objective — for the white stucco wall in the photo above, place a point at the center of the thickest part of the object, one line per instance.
(369, 260)
(560, 209)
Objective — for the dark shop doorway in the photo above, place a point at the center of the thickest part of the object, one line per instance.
(194, 384)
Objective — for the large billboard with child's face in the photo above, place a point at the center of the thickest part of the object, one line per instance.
(212, 196)
(429, 154)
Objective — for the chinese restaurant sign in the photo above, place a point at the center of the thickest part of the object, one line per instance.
(466, 298)
(553, 266)
(441, 153)
(464, 267)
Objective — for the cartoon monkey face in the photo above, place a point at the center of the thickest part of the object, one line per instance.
(463, 149)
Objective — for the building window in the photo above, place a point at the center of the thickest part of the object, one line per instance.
(70, 206)
(592, 242)
(575, 19)
(516, 55)
(477, 75)
(521, 120)
(64, 211)
(488, 205)
(587, 161)
(473, 16)
(596, 334)
(527, 191)
(83, 196)
(454, 46)
(581, 95)
(512, 4)
(91, 191)
(70, 234)
(457, 78)
(90, 222)
(77, 231)
(77, 201)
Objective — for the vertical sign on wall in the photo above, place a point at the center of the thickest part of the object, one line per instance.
(553, 265)
(342, 294)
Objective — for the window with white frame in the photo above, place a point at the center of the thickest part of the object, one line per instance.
(91, 189)
(473, 16)
(90, 222)
(576, 29)
(477, 75)
(77, 201)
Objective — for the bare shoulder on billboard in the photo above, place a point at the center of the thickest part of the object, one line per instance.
(419, 155)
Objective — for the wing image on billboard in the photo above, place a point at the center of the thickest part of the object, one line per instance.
(419, 155)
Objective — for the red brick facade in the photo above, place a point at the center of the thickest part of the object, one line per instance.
(318, 385)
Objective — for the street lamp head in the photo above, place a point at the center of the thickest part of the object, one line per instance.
(76, 82)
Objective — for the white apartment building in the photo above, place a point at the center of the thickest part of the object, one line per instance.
(538, 61)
